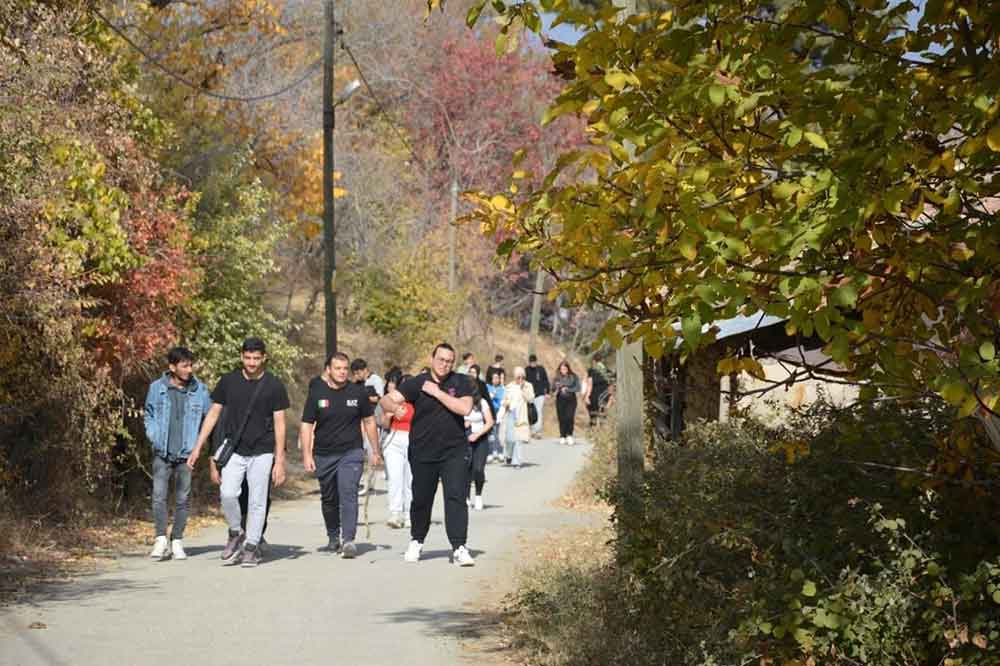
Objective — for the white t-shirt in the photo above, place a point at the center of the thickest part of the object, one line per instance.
(376, 381)
(476, 418)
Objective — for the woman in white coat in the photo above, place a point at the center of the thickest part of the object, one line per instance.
(513, 417)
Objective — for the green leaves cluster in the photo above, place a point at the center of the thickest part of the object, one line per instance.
(831, 164)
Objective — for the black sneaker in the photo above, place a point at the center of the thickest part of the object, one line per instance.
(231, 553)
(332, 547)
(251, 555)
(350, 551)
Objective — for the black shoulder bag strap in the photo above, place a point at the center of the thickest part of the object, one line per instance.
(246, 417)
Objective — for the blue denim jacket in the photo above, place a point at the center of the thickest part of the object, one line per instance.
(157, 414)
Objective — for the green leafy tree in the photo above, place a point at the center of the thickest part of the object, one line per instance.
(829, 163)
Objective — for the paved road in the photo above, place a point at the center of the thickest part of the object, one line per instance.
(301, 606)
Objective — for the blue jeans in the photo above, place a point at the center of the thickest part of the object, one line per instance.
(511, 444)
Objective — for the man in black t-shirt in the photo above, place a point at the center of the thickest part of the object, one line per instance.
(255, 401)
(439, 450)
(335, 419)
(539, 380)
(495, 369)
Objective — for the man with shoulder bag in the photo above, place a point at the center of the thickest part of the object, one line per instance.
(253, 447)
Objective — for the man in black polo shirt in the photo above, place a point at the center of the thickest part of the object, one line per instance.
(335, 419)
(439, 450)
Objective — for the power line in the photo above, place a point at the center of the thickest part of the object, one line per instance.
(380, 108)
(310, 70)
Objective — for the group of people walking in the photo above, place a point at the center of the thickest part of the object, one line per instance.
(441, 426)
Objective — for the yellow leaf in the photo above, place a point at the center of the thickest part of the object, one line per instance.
(339, 192)
(616, 79)
(993, 138)
(337, 175)
(500, 202)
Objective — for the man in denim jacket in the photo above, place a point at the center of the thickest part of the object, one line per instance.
(176, 404)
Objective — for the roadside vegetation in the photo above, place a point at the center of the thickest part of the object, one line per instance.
(777, 545)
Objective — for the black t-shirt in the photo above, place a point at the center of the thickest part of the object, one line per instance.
(538, 378)
(598, 385)
(234, 392)
(337, 414)
(436, 432)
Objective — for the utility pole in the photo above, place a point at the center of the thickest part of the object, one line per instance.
(329, 229)
(451, 235)
(630, 401)
(536, 310)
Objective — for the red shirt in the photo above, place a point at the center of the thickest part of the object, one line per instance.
(403, 422)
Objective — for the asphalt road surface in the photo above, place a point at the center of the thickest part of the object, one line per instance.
(301, 606)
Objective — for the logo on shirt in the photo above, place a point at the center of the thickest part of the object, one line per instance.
(352, 403)
(451, 392)
(322, 404)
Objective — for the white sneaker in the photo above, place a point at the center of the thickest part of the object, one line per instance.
(395, 521)
(161, 550)
(406, 520)
(177, 549)
(479, 503)
(569, 440)
(468, 502)
(562, 440)
(412, 553)
(462, 557)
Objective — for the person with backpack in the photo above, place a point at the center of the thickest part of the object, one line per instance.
(253, 447)
(176, 404)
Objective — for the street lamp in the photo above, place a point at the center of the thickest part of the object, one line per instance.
(329, 222)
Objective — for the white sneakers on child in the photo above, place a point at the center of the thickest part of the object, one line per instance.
(462, 557)
(160, 549)
(569, 440)
(412, 553)
(479, 503)
(177, 549)
(562, 440)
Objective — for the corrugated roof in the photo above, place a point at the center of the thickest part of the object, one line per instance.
(742, 324)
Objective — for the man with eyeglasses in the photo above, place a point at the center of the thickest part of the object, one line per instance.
(439, 450)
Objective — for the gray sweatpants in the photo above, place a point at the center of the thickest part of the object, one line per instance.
(257, 470)
(338, 476)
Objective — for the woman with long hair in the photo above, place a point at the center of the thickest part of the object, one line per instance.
(478, 425)
(566, 385)
(395, 453)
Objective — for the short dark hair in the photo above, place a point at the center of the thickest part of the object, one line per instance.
(475, 367)
(340, 356)
(498, 358)
(253, 345)
(178, 354)
(532, 358)
(442, 345)
(358, 364)
(467, 355)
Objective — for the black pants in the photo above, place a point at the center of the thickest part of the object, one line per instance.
(454, 475)
(244, 503)
(566, 411)
(480, 449)
(339, 474)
